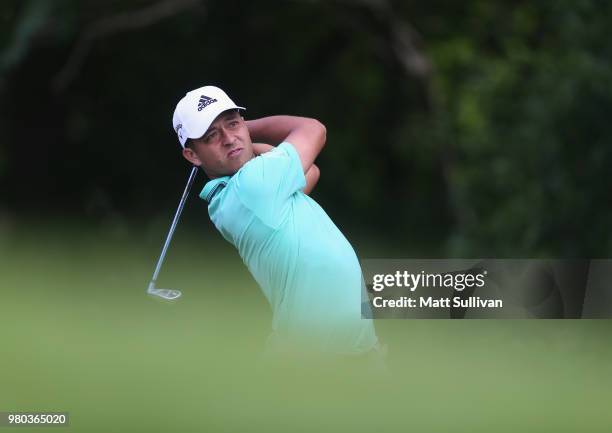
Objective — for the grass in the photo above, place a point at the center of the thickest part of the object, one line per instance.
(79, 335)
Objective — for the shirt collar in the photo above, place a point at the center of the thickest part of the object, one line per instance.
(213, 186)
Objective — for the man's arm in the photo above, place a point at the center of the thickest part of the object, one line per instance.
(312, 175)
(306, 135)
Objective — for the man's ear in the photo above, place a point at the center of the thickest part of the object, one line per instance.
(191, 156)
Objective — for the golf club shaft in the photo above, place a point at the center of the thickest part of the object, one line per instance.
(192, 176)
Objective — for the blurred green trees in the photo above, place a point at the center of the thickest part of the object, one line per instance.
(473, 129)
(527, 91)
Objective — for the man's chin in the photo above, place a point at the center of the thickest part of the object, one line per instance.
(243, 160)
(237, 165)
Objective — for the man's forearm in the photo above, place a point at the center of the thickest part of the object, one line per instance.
(274, 129)
(306, 135)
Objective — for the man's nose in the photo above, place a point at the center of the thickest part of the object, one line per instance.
(226, 138)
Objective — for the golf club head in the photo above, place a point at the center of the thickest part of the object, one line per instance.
(168, 294)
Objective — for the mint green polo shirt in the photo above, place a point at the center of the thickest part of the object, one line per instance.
(305, 267)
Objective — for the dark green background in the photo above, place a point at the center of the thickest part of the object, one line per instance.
(478, 128)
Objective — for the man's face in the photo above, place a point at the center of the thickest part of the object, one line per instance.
(224, 148)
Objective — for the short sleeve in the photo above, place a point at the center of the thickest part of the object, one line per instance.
(266, 183)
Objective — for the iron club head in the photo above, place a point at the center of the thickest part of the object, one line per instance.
(168, 294)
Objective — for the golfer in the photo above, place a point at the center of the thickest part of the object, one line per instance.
(258, 200)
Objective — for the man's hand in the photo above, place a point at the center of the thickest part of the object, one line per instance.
(306, 135)
(312, 175)
(260, 148)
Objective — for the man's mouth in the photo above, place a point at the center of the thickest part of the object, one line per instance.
(234, 152)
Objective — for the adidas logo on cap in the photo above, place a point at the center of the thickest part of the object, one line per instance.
(204, 102)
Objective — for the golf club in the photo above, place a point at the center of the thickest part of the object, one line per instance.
(171, 294)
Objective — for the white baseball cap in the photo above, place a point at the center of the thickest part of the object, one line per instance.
(198, 109)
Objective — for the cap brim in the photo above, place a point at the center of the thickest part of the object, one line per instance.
(204, 127)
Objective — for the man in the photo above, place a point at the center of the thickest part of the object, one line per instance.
(257, 199)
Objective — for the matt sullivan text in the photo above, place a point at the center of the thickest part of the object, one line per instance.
(431, 302)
